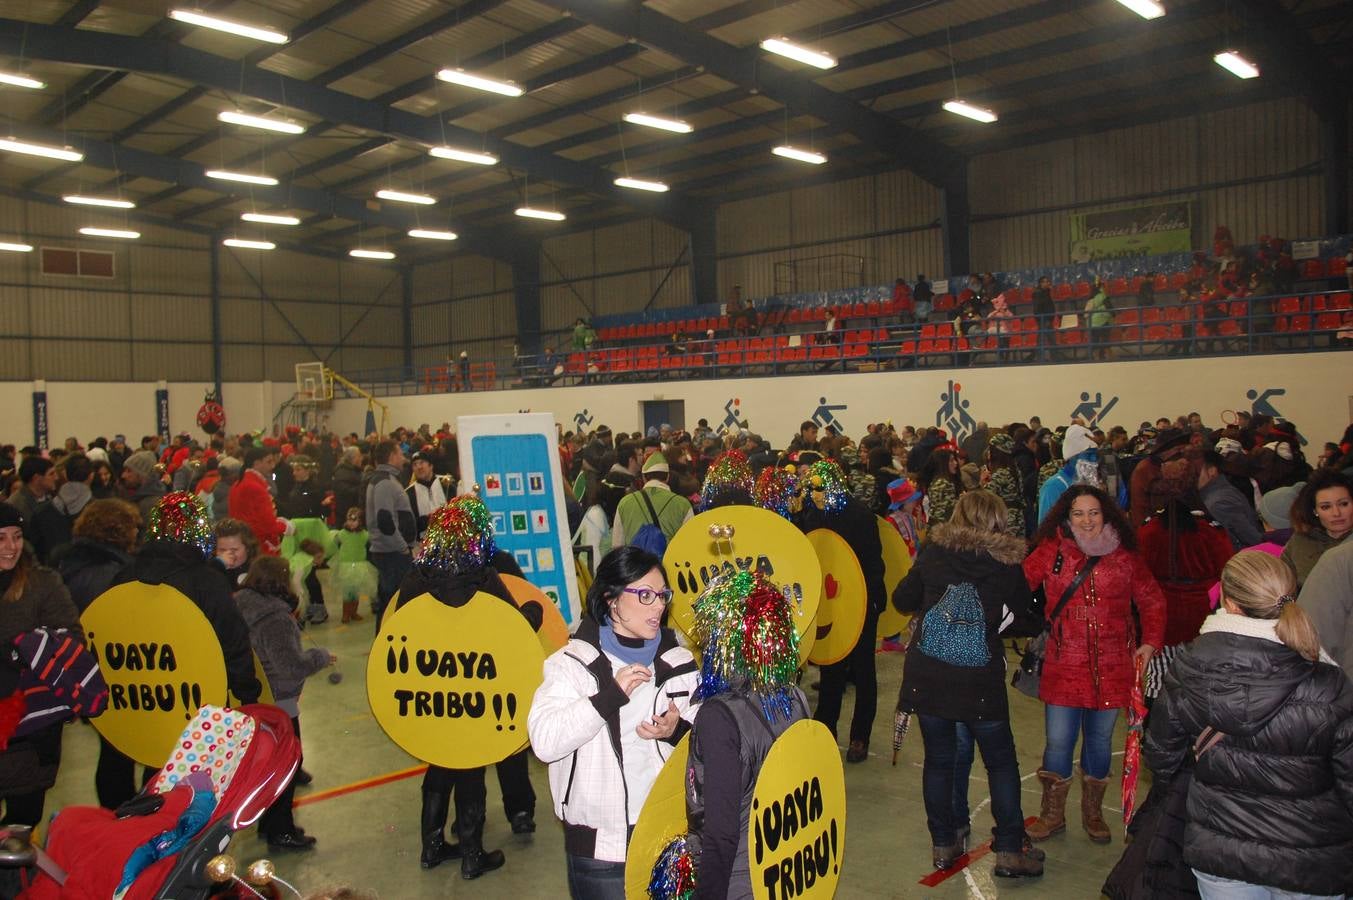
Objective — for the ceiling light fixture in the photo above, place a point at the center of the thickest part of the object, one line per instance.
(14, 79)
(469, 156)
(109, 202)
(270, 219)
(404, 197)
(371, 254)
(640, 184)
(674, 125)
(968, 111)
(548, 215)
(258, 33)
(1147, 9)
(782, 46)
(431, 235)
(16, 248)
(249, 245)
(807, 156)
(13, 145)
(479, 82)
(111, 233)
(1237, 65)
(235, 117)
(244, 177)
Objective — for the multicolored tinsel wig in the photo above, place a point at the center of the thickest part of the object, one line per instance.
(728, 473)
(776, 489)
(674, 873)
(180, 517)
(459, 536)
(824, 485)
(745, 629)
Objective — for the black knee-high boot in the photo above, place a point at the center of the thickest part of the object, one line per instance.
(436, 850)
(471, 811)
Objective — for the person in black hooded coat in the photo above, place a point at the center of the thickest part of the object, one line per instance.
(1271, 801)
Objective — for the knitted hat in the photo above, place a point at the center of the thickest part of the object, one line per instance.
(1078, 439)
(180, 517)
(1229, 446)
(1275, 507)
(142, 462)
(10, 517)
(656, 462)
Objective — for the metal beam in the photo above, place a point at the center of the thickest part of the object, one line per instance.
(104, 50)
(930, 159)
(216, 348)
(77, 13)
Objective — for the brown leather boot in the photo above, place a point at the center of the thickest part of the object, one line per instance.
(1092, 812)
(1052, 816)
(350, 611)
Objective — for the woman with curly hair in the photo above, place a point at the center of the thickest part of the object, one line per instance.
(100, 554)
(1085, 551)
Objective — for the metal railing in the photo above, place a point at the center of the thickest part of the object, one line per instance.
(1292, 323)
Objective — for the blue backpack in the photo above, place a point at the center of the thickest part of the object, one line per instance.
(650, 536)
(954, 630)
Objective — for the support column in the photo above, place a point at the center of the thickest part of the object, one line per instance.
(704, 236)
(217, 350)
(526, 297)
(955, 224)
(406, 316)
(1334, 160)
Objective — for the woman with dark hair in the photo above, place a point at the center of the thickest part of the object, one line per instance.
(31, 597)
(105, 481)
(1085, 559)
(1322, 517)
(100, 554)
(942, 485)
(613, 704)
(1004, 480)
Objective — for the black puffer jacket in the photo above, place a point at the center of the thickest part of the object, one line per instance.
(1272, 802)
(90, 567)
(182, 567)
(990, 562)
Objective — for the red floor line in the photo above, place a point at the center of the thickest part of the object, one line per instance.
(939, 876)
(356, 786)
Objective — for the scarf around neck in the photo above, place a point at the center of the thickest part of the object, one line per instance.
(1101, 544)
(625, 649)
(1245, 626)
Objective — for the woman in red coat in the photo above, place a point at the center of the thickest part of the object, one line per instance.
(1088, 670)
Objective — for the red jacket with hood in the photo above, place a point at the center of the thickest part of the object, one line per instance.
(252, 504)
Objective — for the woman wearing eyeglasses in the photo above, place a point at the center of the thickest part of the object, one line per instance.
(614, 703)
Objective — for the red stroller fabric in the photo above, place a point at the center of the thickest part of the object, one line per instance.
(92, 845)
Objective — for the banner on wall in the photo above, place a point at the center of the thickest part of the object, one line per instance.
(162, 412)
(40, 428)
(1134, 231)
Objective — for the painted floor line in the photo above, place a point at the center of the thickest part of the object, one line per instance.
(940, 876)
(354, 787)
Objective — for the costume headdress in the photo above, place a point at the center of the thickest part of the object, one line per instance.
(745, 629)
(180, 517)
(727, 474)
(459, 536)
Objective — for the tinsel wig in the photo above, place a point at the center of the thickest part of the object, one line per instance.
(776, 489)
(459, 537)
(728, 473)
(180, 517)
(824, 485)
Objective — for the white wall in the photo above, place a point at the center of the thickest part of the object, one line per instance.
(1317, 396)
(87, 410)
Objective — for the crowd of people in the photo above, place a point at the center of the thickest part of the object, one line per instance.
(1206, 568)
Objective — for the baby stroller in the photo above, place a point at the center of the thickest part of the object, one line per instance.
(228, 767)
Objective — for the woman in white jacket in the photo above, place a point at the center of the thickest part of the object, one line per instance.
(614, 703)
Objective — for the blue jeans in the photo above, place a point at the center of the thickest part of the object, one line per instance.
(1211, 887)
(1062, 724)
(939, 788)
(595, 879)
(965, 751)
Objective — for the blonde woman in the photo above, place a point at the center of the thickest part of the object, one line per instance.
(1270, 809)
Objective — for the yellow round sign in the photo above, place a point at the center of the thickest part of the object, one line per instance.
(553, 631)
(662, 818)
(761, 541)
(896, 565)
(452, 685)
(840, 615)
(796, 833)
(162, 662)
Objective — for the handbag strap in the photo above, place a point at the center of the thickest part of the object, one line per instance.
(1073, 587)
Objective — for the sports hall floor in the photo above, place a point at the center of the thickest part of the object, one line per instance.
(368, 836)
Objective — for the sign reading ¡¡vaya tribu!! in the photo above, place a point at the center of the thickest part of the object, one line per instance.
(1133, 231)
(451, 685)
(162, 662)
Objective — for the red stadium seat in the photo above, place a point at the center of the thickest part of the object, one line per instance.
(1313, 269)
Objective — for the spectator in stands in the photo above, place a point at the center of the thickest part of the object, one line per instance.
(463, 382)
(1146, 290)
(740, 317)
(924, 298)
(1227, 505)
(1045, 311)
(1099, 315)
(903, 302)
(1322, 518)
(550, 367)
(655, 504)
(583, 335)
